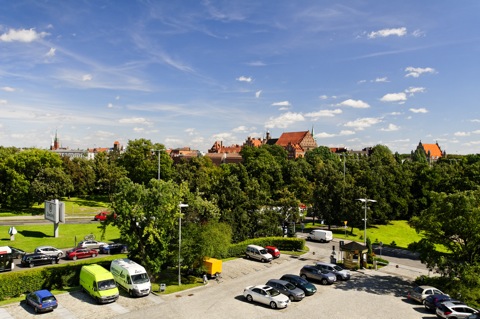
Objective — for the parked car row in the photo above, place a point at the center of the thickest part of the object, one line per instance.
(434, 300)
(44, 255)
(278, 293)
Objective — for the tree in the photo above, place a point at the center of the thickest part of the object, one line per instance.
(51, 183)
(451, 221)
(108, 173)
(140, 161)
(82, 174)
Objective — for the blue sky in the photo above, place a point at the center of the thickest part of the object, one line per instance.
(188, 73)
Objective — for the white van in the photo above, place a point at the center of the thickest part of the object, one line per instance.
(131, 276)
(258, 253)
(323, 236)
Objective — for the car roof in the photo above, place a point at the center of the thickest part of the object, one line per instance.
(40, 247)
(43, 293)
(291, 276)
(428, 287)
(265, 287)
(454, 303)
(280, 281)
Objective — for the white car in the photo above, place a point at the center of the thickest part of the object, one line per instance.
(49, 250)
(266, 295)
(91, 244)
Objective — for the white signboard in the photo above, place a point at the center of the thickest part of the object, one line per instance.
(52, 210)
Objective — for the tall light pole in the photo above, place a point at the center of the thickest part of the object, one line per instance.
(180, 241)
(365, 200)
(158, 152)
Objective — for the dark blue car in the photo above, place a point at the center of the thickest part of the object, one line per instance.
(41, 300)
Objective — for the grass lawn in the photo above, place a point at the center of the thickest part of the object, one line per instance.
(397, 231)
(31, 236)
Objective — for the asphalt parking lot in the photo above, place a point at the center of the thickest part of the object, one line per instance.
(369, 294)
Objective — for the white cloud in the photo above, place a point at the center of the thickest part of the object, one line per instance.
(257, 94)
(51, 52)
(324, 113)
(8, 89)
(284, 120)
(283, 103)
(22, 35)
(110, 105)
(190, 131)
(416, 72)
(346, 132)
(256, 63)
(400, 32)
(223, 136)
(412, 90)
(384, 79)
(323, 97)
(395, 113)
(390, 128)
(461, 134)
(3, 101)
(324, 135)
(394, 97)
(138, 129)
(242, 129)
(420, 110)
(134, 120)
(475, 120)
(244, 79)
(358, 104)
(418, 33)
(362, 123)
(87, 77)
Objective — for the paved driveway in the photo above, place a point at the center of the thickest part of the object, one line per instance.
(369, 294)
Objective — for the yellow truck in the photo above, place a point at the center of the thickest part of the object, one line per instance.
(213, 267)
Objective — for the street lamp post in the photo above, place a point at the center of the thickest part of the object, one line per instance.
(180, 241)
(158, 152)
(365, 200)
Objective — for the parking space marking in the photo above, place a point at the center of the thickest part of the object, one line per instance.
(4, 314)
(116, 307)
(64, 313)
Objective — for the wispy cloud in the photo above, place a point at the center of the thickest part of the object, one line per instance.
(244, 79)
(323, 113)
(51, 53)
(8, 89)
(258, 93)
(363, 123)
(400, 32)
(282, 103)
(390, 128)
(420, 110)
(412, 90)
(416, 72)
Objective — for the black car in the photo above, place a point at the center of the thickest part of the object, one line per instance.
(113, 248)
(433, 301)
(301, 283)
(17, 252)
(34, 259)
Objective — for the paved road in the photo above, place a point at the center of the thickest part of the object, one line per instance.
(369, 294)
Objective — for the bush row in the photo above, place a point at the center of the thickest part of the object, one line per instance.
(282, 243)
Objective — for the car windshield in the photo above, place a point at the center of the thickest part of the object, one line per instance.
(106, 284)
(302, 281)
(263, 251)
(140, 278)
(49, 299)
(273, 292)
(290, 286)
(337, 268)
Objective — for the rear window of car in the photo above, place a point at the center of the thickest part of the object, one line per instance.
(418, 289)
(443, 308)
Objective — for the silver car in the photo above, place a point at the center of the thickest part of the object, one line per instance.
(287, 288)
(419, 293)
(49, 250)
(452, 309)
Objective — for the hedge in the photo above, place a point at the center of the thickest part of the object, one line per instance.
(282, 243)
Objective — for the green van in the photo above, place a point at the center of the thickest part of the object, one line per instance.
(98, 283)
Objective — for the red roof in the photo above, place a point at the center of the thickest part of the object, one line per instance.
(291, 137)
(434, 149)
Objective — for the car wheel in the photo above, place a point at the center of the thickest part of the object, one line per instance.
(291, 298)
(130, 292)
(59, 255)
(74, 257)
(53, 261)
(324, 281)
(339, 278)
(249, 298)
(303, 276)
(273, 305)
(94, 255)
(31, 265)
(36, 309)
(248, 257)
(263, 260)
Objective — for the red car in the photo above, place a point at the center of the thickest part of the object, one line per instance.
(103, 216)
(78, 252)
(272, 250)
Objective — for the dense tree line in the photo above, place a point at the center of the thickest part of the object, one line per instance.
(257, 197)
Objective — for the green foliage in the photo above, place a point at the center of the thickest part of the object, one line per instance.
(282, 243)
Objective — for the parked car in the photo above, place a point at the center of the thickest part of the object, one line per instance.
(17, 252)
(266, 295)
(452, 309)
(77, 253)
(103, 216)
(474, 316)
(113, 248)
(307, 287)
(286, 288)
(313, 273)
(35, 259)
(49, 250)
(41, 300)
(419, 293)
(342, 274)
(258, 253)
(91, 244)
(431, 302)
(272, 250)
